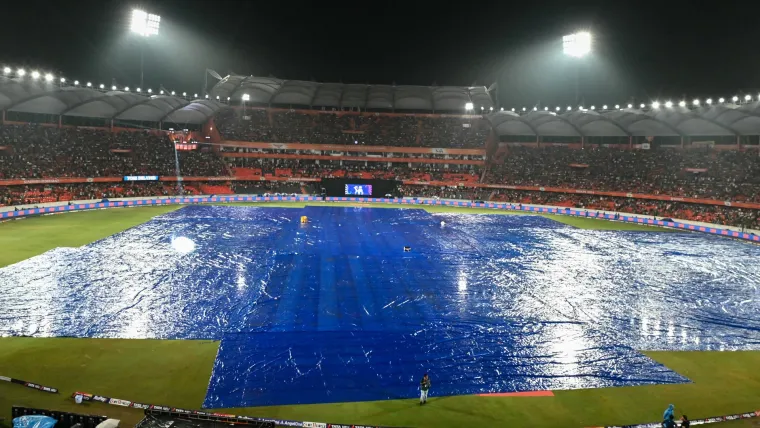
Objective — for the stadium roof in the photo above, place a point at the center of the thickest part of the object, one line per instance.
(272, 91)
(32, 96)
(714, 120)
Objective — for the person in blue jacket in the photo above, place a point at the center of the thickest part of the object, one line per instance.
(668, 413)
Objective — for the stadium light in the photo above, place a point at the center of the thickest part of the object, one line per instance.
(577, 45)
(184, 94)
(655, 105)
(63, 80)
(7, 70)
(604, 107)
(557, 109)
(228, 98)
(195, 95)
(593, 107)
(747, 97)
(502, 109)
(708, 101)
(580, 107)
(172, 93)
(721, 100)
(682, 103)
(696, 102)
(546, 108)
(513, 109)
(630, 105)
(144, 23)
(21, 72)
(569, 108)
(76, 82)
(138, 90)
(126, 89)
(150, 91)
(617, 106)
(523, 108)
(642, 105)
(48, 77)
(468, 106)
(669, 104)
(35, 75)
(735, 98)
(206, 96)
(217, 97)
(161, 92)
(535, 108)
(490, 108)
(481, 108)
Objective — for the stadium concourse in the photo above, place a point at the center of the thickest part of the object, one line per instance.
(61, 143)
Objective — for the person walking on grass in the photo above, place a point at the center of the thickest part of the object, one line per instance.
(424, 386)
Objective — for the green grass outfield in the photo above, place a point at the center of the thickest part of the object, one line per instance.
(176, 372)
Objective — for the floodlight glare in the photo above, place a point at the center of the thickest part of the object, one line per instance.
(195, 95)
(21, 72)
(695, 102)
(184, 94)
(7, 70)
(206, 96)
(126, 89)
(246, 97)
(150, 91)
(217, 97)
(569, 108)
(481, 108)
(502, 109)
(48, 77)
(604, 107)
(172, 92)
(669, 104)
(682, 103)
(577, 45)
(630, 105)
(63, 80)
(523, 108)
(102, 86)
(642, 105)
(468, 106)
(709, 101)
(655, 104)
(557, 108)
(593, 107)
(735, 98)
(747, 97)
(145, 24)
(617, 106)
(35, 75)
(513, 109)
(721, 100)
(113, 88)
(546, 108)
(535, 108)
(76, 82)
(490, 108)
(138, 90)
(162, 92)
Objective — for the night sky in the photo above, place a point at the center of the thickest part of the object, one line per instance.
(643, 50)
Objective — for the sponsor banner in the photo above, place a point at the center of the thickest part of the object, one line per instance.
(351, 148)
(198, 413)
(140, 178)
(353, 158)
(703, 421)
(32, 385)
(695, 170)
(578, 165)
(61, 180)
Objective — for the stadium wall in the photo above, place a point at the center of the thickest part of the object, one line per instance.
(62, 207)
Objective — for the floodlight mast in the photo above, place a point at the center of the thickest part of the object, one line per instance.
(146, 25)
(577, 45)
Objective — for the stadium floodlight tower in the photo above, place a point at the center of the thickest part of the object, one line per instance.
(577, 45)
(144, 24)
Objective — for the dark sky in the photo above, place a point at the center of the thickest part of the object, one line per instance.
(642, 49)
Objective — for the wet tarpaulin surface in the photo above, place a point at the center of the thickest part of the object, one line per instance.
(335, 310)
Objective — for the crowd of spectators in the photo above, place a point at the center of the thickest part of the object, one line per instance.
(694, 173)
(28, 151)
(367, 129)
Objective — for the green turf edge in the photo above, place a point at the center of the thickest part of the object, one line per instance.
(176, 373)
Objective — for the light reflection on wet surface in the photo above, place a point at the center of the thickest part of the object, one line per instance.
(338, 312)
